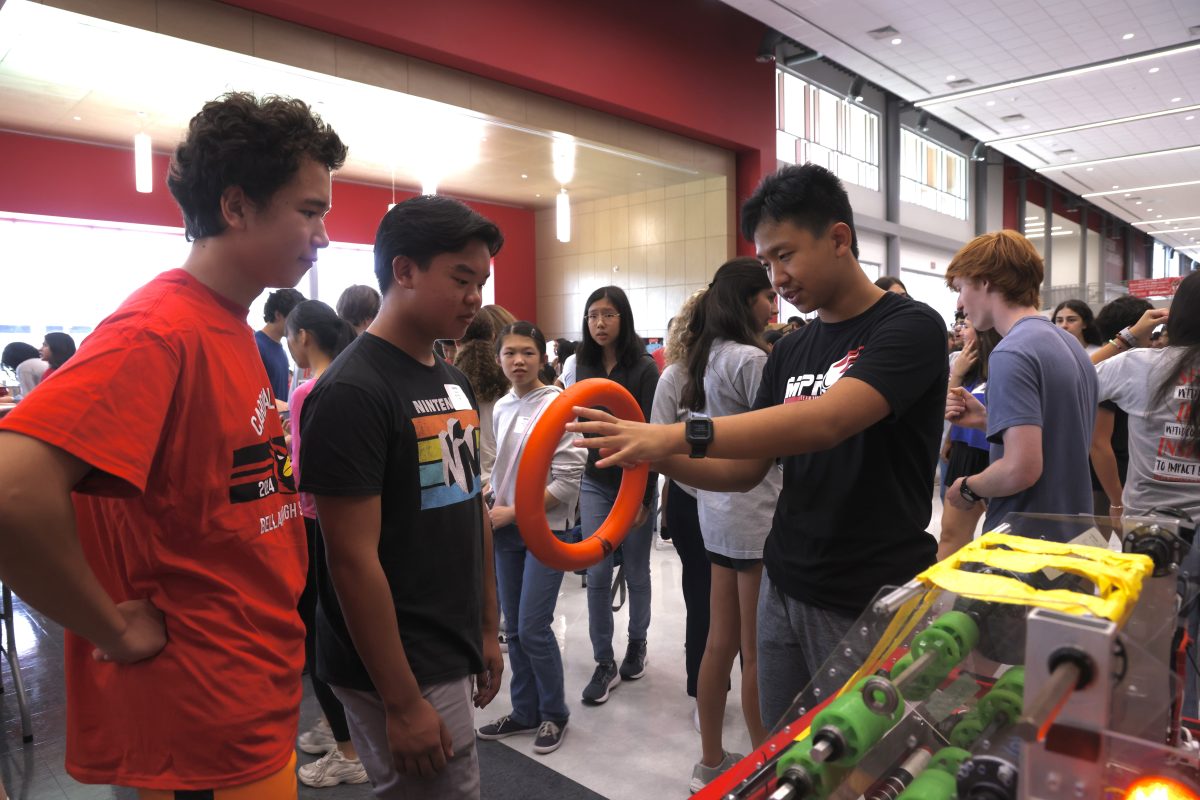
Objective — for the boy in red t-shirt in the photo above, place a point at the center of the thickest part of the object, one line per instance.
(146, 496)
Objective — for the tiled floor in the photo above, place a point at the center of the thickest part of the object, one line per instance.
(640, 744)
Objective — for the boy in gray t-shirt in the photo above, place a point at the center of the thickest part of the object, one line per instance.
(1041, 388)
(1039, 375)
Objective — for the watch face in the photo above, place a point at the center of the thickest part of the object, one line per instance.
(699, 429)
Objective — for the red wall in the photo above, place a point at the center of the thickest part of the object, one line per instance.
(686, 66)
(71, 179)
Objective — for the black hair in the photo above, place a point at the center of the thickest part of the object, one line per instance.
(792, 320)
(282, 302)
(426, 226)
(522, 328)
(887, 282)
(628, 345)
(61, 347)
(332, 332)
(810, 197)
(723, 313)
(1121, 313)
(563, 349)
(1183, 333)
(772, 336)
(240, 140)
(1091, 335)
(985, 343)
(358, 305)
(17, 353)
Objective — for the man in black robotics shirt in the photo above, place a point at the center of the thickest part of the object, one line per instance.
(851, 405)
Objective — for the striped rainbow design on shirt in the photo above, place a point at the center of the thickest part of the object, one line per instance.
(448, 457)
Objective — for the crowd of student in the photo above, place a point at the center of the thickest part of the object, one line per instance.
(153, 502)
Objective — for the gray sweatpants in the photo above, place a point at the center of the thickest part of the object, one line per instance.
(794, 639)
(368, 730)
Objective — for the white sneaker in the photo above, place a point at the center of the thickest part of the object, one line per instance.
(318, 739)
(331, 769)
(702, 775)
(696, 718)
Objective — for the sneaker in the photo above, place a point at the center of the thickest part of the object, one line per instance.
(549, 737)
(331, 769)
(696, 718)
(503, 728)
(603, 679)
(317, 740)
(503, 642)
(702, 775)
(634, 665)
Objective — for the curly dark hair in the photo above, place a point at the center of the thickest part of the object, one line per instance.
(477, 360)
(241, 140)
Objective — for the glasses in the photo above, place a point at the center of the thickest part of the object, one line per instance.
(960, 324)
(607, 316)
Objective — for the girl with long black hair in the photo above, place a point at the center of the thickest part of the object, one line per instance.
(725, 366)
(611, 348)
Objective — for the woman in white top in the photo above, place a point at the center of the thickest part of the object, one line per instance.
(1160, 391)
(725, 365)
(529, 589)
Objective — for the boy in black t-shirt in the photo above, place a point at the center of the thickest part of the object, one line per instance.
(391, 452)
(852, 406)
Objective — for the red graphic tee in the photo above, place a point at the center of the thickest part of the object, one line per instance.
(191, 505)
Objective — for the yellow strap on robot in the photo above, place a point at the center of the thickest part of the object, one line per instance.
(1117, 576)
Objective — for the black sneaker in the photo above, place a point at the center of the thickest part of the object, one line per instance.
(604, 678)
(503, 728)
(549, 736)
(634, 665)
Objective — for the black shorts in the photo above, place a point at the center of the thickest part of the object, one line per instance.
(736, 564)
(965, 461)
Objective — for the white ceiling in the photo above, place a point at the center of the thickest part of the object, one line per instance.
(77, 77)
(993, 42)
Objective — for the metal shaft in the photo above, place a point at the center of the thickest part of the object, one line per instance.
(822, 749)
(1042, 712)
(913, 671)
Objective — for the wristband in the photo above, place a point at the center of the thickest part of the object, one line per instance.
(1128, 338)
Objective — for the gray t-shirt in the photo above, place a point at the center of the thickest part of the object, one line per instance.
(1039, 375)
(668, 403)
(736, 524)
(1162, 470)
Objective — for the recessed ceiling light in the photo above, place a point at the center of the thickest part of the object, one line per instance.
(639, 174)
(1158, 217)
(523, 176)
(1126, 194)
(1189, 118)
(1176, 99)
(1118, 187)
(1137, 202)
(897, 40)
(951, 77)
(1127, 36)
(1153, 70)
(537, 195)
(1026, 127)
(77, 118)
(1089, 169)
(990, 103)
(1074, 158)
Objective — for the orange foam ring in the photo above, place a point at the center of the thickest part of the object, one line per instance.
(535, 466)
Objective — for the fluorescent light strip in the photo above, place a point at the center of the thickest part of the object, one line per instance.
(1141, 188)
(1089, 125)
(1166, 221)
(1170, 152)
(1039, 234)
(1173, 231)
(1053, 76)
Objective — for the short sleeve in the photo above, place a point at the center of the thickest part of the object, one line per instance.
(346, 431)
(106, 406)
(748, 379)
(763, 398)
(902, 358)
(666, 397)
(1020, 401)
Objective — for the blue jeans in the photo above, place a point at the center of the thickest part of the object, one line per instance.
(595, 501)
(528, 593)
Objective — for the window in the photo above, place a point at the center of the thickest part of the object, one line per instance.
(817, 126)
(932, 176)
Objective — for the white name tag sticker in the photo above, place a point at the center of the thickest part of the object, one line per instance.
(458, 398)
(521, 425)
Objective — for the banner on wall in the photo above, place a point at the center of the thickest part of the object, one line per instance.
(1154, 287)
